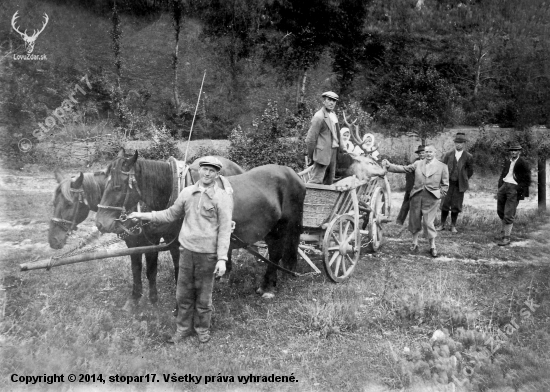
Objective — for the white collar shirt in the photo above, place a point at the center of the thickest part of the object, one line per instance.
(510, 176)
(458, 154)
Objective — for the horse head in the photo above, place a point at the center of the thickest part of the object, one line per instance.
(121, 194)
(363, 166)
(70, 208)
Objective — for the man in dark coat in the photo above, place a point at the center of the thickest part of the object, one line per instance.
(409, 184)
(323, 141)
(461, 169)
(513, 186)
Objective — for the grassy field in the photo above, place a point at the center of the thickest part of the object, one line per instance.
(371, 333)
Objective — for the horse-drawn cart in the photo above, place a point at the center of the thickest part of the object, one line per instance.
(342, 218)
(338, 220)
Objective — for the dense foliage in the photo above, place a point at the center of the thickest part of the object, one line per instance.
(415, 66)
(274, 138)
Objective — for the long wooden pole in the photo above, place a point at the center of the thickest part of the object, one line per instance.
(194, 115)
(100, 254)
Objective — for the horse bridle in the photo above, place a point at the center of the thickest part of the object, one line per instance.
(132, 182)
(66, 225)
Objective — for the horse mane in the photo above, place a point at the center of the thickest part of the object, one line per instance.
(94, 185)
(155, 182)
(93, 188)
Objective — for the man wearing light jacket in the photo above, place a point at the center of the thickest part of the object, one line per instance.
(431, 182)
(204, 240)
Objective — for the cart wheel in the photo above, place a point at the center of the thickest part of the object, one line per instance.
(341, 247)
(380, 210)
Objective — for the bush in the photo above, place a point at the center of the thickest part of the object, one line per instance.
(203, 151)
(272, 139)
(163, 145)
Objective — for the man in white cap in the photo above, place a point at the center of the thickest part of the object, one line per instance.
(204, 244)
(513, 186)
(323, 141)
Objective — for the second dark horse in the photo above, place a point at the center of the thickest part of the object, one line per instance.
(268, 205)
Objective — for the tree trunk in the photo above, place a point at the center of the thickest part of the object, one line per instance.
(302, 91)
(542, 184)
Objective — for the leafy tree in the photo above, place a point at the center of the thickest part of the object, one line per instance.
(416, 100)
(348, 39)
(303, 30)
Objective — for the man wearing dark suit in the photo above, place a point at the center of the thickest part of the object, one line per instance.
(513, 186)
(409, 183)
(461, 169)
(431, 182)
(323, 141)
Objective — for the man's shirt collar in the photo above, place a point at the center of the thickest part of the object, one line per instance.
(210, 191)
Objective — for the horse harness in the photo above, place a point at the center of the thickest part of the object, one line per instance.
(132, 182)
(64, 224)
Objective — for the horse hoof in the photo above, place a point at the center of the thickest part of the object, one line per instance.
(129, 306)
(268, 295)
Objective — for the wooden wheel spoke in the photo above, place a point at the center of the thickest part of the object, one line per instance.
(337, 268)
(334, 256)
(334, 237)
(350, 260)
(344, 269)
(333, 248)
(350, 237)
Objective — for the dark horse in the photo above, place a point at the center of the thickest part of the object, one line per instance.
(70, 210)
(268, 205)
(75, 198)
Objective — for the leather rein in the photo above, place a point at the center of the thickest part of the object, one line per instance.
(132, 183)
(64, 224)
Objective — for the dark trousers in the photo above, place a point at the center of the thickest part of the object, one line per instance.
(404, 211)
(454, 199)
(324, 174)
(507, 202)
(194, 291)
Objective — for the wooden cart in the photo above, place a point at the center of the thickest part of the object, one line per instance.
(338, 221)
(342, 218)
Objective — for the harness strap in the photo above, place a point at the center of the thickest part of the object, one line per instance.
(251, 250)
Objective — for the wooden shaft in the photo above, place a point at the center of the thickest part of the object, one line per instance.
(100, 254)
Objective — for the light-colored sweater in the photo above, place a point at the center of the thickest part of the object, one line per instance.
(207, 219)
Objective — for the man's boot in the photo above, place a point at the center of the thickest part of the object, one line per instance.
(500, 236)
(506, 239)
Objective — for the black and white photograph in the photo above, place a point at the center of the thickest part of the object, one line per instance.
(275, 195)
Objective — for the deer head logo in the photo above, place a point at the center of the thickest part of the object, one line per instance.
(29, 40)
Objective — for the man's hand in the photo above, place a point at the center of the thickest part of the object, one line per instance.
(135, 215)
(385, 163)
(220, 268)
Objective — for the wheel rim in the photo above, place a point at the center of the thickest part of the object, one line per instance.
(341, 248)
(379, 211)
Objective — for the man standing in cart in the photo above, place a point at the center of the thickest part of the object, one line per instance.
(204, 244)
(431, 182)
(323, 141)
